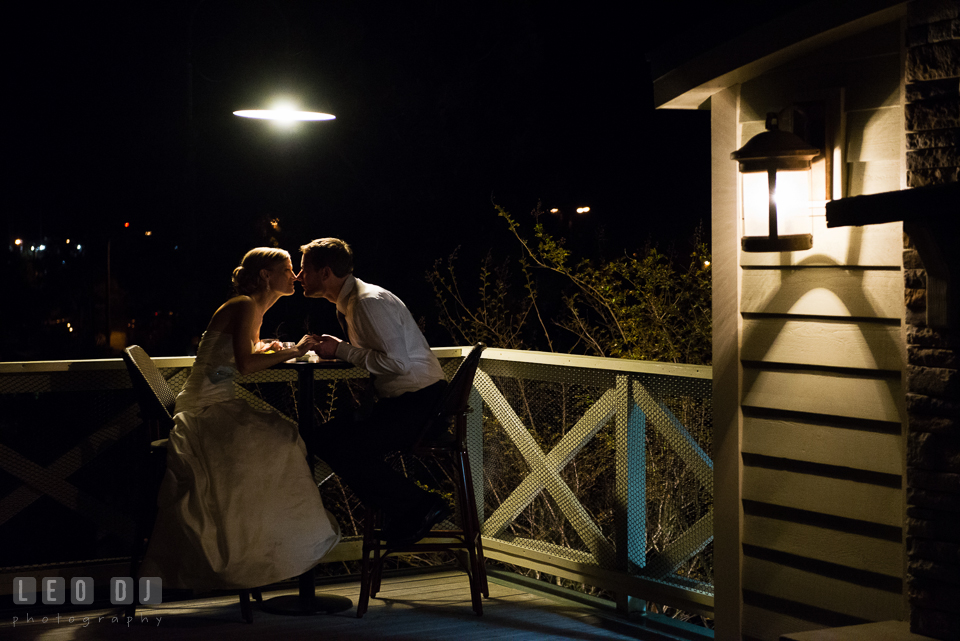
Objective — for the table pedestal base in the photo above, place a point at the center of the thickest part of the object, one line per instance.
(307, 601)
(295, 604)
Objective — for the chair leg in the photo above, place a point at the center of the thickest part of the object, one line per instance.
(366, 572)
(471, 533)
(482, 562)
(258, 595)
(378, 557)
(476, 553)
(245, 610)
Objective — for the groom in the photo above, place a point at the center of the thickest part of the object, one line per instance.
(383, 339)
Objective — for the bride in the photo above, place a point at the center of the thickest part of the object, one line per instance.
(238, 507)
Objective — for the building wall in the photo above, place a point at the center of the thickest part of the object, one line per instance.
(822, 361)
(932, 121)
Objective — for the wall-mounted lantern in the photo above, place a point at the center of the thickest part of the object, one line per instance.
(776, 190)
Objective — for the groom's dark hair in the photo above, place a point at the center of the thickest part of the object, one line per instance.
(329, 252)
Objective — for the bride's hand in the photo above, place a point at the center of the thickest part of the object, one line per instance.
(307, 343)
(263, 347)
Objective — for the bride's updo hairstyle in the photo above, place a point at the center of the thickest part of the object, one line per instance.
(246, 277)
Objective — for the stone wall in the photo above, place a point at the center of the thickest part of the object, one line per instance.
(932, 119)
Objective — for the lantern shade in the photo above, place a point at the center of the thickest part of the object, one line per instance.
(776, 184)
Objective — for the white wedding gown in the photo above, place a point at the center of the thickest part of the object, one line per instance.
(238, 506)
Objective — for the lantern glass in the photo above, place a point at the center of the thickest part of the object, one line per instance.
(756, 203)
(792, 198)
(793, 202)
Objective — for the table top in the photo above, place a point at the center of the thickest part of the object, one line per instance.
(321, 364)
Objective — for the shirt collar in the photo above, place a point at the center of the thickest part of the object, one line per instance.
(348, 287)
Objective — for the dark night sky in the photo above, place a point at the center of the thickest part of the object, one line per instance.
(124, 114)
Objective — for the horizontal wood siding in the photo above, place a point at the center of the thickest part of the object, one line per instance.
(812, 589)
(830, 393)
(847, 498)
(822, 356)
(823, 292)
(872, 177)
(827, 343)
(801, 438)
(874, 134)
(840, 548)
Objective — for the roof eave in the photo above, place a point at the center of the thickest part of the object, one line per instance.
(751, 54)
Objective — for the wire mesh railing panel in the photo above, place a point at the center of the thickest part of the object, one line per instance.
(70, 448)
(677, 426)
(601, 467)
(66, 457)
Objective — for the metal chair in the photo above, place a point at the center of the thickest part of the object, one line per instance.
(156, 401)
(439, 442)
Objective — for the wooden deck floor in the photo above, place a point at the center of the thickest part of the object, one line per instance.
(426, 606)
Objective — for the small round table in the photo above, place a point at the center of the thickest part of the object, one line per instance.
(307, 601)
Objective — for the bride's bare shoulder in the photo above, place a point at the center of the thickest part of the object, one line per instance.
(225, 317)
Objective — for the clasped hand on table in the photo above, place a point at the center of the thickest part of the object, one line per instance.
(304, 345)
(326, 346)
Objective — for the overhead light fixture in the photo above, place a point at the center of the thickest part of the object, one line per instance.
(283, 115)
(284, 110)
(775, 168)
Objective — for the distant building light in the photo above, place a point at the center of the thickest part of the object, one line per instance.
(126, 224)
(68, 241)
(554, 211)
(582, 210)
(32, 248)
(18, 242)
(42, 247)
(148, 233)
(79, 247)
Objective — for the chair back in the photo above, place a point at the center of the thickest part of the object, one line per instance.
(154, 396)
(456, 399)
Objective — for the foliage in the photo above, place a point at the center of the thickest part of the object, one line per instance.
(640, 305)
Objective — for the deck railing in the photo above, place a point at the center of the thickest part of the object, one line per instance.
(590, 471)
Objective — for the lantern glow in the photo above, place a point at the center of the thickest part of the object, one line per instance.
(776, 183)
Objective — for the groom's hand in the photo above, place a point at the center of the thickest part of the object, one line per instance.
(327, 346)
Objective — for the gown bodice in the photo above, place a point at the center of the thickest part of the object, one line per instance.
(211, 379)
